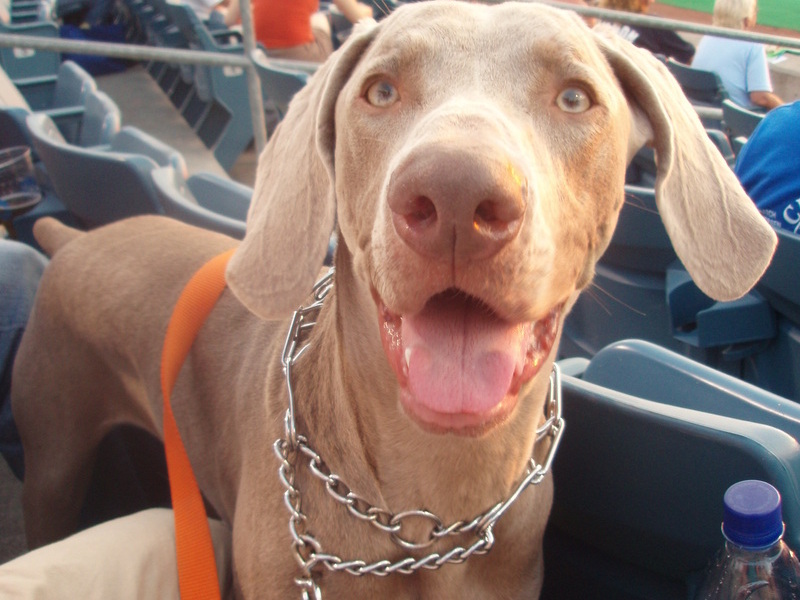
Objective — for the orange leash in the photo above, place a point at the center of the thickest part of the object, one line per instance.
(197, 571)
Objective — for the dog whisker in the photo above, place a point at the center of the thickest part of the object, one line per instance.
(615, 299)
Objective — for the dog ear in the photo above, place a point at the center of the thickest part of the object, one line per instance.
(716, 230)
(293, 209)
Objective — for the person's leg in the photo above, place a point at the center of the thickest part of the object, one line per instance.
(21, 269)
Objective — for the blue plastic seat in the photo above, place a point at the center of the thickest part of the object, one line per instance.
(279, 84)
(216, 104)
(739, 123)
(701, 87)
(204, 200)
(641, 290)
(66, 107)
(101, 120)
(777, 365)
(653, 439)
(102, 184)
(36, 69)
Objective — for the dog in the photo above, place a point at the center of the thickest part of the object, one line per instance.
(471, 160)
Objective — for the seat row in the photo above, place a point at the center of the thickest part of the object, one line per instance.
(704, 88)
(212, 99)
(641, 290)
(93, 170)
(653, 439)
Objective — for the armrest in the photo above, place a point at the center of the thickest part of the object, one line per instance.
(27, 82)
(700, 322)
(65, 112)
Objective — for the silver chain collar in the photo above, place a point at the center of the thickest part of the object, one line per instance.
(307, 549)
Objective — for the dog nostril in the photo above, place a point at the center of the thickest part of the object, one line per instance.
(491, 217)
(421, 212)
(485, 215)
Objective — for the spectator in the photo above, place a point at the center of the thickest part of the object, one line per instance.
(21, 268)
(202, 8)
(295, 28)
(741, 65)
(658, 41)
(769, 167)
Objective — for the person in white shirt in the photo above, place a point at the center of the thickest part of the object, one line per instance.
(741, 65)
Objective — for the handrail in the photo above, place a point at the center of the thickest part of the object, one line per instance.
(675, 25)
(174, 55)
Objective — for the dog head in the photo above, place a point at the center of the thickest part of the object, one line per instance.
(473, 158)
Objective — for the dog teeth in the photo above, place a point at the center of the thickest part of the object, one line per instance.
(406, 359)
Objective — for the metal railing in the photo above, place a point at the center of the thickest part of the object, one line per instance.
(173, 55)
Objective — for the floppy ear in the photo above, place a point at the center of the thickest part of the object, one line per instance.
(293, 209)
(715, 228)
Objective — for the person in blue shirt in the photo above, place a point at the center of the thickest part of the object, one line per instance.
(741, 64)
(768, 166)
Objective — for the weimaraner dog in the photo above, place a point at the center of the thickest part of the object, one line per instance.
(471, 160)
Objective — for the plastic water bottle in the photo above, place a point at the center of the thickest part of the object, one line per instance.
(755, 563)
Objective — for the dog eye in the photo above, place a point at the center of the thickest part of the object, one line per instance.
(573, 100)
(382, 94)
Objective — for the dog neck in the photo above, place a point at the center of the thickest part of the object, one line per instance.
(454, 476)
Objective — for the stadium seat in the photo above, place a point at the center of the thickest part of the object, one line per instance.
(739, 123)
(777, 365)
(102, 184)
(204, 200)
(702, 87)
(278, 84)
(66, 107)
(101, 120)
(221, 116)
(641, 290)
(649, 434)
(34, 69)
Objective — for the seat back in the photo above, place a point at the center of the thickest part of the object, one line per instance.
(101, 120)
(29, 63)
(220, 210)
(226, 124)
(643, 466)
(221, 195)
(98, 186)
(777, 367)
(278, 84)
(739, 123)
(132, 140)
(701, 87)
(73, 85)
(640, 240)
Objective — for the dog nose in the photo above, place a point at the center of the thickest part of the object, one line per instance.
(456, 203)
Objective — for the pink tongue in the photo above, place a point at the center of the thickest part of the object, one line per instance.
(460, 358)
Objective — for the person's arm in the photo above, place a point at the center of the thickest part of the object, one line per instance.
(232, 14)
(353, 10)
(766, 99)
(759, 84)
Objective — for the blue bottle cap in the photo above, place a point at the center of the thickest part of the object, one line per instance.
(752, 514)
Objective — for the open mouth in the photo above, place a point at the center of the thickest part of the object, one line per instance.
(459, 365)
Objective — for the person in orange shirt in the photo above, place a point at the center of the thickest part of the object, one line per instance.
(295, 28)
